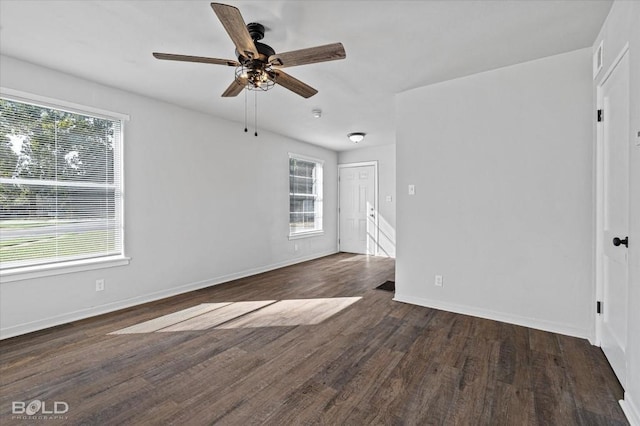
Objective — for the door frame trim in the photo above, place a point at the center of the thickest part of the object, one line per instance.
(599, 198)
(374, 163)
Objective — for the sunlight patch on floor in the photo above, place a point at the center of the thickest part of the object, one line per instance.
(249, 314)
(219, 316)
(293, 312)
(356, 258)
(170, 319)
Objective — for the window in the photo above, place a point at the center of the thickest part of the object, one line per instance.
(305, 196)
(60, 186)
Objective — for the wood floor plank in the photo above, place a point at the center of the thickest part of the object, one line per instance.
(273, 377)
(543, 341)
(553, 403)
(314, 359)
(358, 392)
(586, 369)
(510, 405)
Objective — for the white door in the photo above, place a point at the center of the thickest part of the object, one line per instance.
(614, 222)
(358, 230)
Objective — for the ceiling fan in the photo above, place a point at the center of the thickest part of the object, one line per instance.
(258, 66)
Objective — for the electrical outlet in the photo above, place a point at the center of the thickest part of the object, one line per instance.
(295, 247)
(99, 285)
(438, 281)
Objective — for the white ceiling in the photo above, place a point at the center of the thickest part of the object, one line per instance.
(391, 46)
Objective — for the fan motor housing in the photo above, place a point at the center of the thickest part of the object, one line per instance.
(256, 31)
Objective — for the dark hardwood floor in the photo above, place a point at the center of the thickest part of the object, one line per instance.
(374, 362)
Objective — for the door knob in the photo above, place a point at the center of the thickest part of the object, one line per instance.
(617, 241)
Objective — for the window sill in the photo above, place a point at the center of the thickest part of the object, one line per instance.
(39, 271)
(308, 234)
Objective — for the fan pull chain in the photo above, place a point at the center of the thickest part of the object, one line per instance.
(245, 109)
(256, 114)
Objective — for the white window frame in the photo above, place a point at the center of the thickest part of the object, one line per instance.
(319, 202)
(65, 267)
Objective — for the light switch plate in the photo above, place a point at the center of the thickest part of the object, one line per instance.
(412, 190)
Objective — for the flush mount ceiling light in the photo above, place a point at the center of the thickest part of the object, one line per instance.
(317, 113)
(356, 137)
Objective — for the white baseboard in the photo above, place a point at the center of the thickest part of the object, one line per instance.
(630, 409)
(497, 316)
(81, 314)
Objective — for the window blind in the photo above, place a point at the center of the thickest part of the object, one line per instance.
(60, 185)
(305, 195)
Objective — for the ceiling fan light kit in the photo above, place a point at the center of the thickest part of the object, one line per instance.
(255, 73)
(259, 67)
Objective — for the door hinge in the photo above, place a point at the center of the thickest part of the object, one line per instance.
(600, 115)
(599, 307)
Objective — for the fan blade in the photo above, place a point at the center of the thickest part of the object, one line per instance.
(311, 55)
(201, 59)
(235, 88)
(236, 28)
(291, 83)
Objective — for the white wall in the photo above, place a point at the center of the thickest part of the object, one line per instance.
(205, 203)
(622, 26)
(502, 166)
(385, 155)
